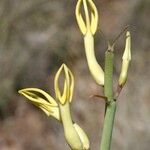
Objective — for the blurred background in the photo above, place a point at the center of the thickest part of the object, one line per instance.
(36, 36)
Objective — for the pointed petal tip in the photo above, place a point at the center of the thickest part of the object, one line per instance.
(20, 91)
(64, 65)
(128, 33)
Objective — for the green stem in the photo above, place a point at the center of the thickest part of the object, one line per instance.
(108, 126)
(108, 85)
(111, 103)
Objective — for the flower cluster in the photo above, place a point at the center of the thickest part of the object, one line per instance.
(59, 107)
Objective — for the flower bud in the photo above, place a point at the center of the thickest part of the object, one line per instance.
(125, 60)
(83, 137)
(88, 28)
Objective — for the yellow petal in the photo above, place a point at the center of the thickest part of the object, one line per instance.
(53, 112)
(56, 83)
(39, 98)
(94, 17)
(68, 82)
(64, 95)
(79, 18)
(71, 85)
(87, 17)
(34, 94)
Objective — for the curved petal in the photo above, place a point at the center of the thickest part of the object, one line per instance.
(53, 111)
(67, 79)
(38, 95)
(56, 83)
(87, 17)
(94, 17)
(79, 18)
(71, 85)
(39, 98)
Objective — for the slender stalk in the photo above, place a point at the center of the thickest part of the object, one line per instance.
(111, 104)
(108, 86)
(108, 126)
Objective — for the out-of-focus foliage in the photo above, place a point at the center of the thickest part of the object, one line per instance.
(36, 36)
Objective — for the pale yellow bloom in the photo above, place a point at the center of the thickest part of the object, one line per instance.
(74, 134)
(125, 60)
(88, 29)
(44, 101)
(67, 93)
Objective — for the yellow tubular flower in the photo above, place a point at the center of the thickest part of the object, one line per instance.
(75, 136)
(67, 93)
(125, 60)
(42, 100)
(88, 28)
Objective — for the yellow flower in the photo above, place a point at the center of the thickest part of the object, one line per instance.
(74, 134)
(44, 101)
(67, 93)
(88, 28)
(125, 60)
